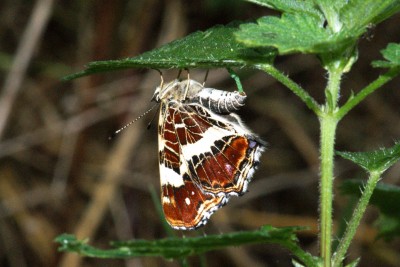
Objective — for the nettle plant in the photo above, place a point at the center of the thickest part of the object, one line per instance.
(330, 30)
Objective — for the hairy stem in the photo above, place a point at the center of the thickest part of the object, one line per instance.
(372, 87)
(328, 123)
(328, 129)
(294, 87)
(355, 219)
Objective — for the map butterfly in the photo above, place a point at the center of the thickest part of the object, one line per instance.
(206, 153)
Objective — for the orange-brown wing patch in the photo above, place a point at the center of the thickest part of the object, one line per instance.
(222, 171)
(187, 207)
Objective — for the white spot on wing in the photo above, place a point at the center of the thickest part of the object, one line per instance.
(166, 200)
(169, 176)
(187, 200)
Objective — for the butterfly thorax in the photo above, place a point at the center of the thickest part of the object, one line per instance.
(182, 91)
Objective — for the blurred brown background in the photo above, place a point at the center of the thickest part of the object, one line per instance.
(60, 173)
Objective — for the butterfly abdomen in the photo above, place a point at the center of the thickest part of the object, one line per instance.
(219, 101)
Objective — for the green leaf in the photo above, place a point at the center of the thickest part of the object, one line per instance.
(357, 15)
(334, 5)
(353, 263)
(174, 248)
(392, 54)
(302, 25)
(389, 227)
(387, 198)
(297, 264)
(379, 160)
(293, 33)
(215, 47)
(290, 6)
(330, 10)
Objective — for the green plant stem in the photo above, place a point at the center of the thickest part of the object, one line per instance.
(294, 87)
(328, 123)
(354, 101)
(333, 88)
(355, 219)
(328, 129)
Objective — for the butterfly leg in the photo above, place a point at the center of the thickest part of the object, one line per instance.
(237, 80)
(161, 78)
(205, 77)
(187, 85)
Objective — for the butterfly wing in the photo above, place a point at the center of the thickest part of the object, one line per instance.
(185, 205)
(204, 159)
(219, 152)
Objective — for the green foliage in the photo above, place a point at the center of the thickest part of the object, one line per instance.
(374, 161)
(392, 54)
(388, 226)
(305, 32)
(215, 47)
(354, 263)
(357, 15)
(387, 198)
(176, 248)
(290, 6)
(292, 33)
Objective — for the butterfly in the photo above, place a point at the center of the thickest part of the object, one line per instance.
(206, 153)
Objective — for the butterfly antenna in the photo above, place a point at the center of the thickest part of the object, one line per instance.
(127, 125)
